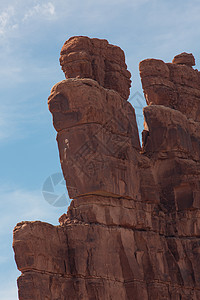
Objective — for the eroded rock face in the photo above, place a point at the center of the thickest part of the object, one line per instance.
(184, 59)
(98, 141)
(171, 138)
(132, 230)
(96, 59)
(173, 85)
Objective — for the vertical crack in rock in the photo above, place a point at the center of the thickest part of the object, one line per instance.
(132, 230)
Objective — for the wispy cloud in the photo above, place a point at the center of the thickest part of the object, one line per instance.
(46, 10)
(6, 20)
(13, 16)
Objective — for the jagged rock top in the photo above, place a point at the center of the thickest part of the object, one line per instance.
(94, 58)
(184, 59)
(175, 85)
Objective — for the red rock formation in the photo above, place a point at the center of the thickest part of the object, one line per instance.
(173, 85)
(93, 58)
(184, 59)
(133, 228)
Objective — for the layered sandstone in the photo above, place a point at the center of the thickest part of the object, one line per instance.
(173, 85)
(83, 57)
(132, 230)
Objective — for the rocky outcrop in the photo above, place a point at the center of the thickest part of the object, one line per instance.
(184, 59)
(173, 85)
(83, 57)
(98, 141)
(132, 230)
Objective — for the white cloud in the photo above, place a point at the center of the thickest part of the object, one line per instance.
(47, 10)
(12, 17)
(6, 22)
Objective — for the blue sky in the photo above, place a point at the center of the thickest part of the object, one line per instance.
(31, 36)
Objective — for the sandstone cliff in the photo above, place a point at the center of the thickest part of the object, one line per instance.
(132, 230)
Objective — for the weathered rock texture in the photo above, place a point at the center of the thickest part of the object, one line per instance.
(184, 59)
(133, 228)
(93, 58)
(172, 85)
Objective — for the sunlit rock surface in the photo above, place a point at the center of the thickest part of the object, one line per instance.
(132, 230)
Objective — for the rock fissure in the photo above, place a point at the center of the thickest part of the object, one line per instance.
(191, 237)
(81, 276)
